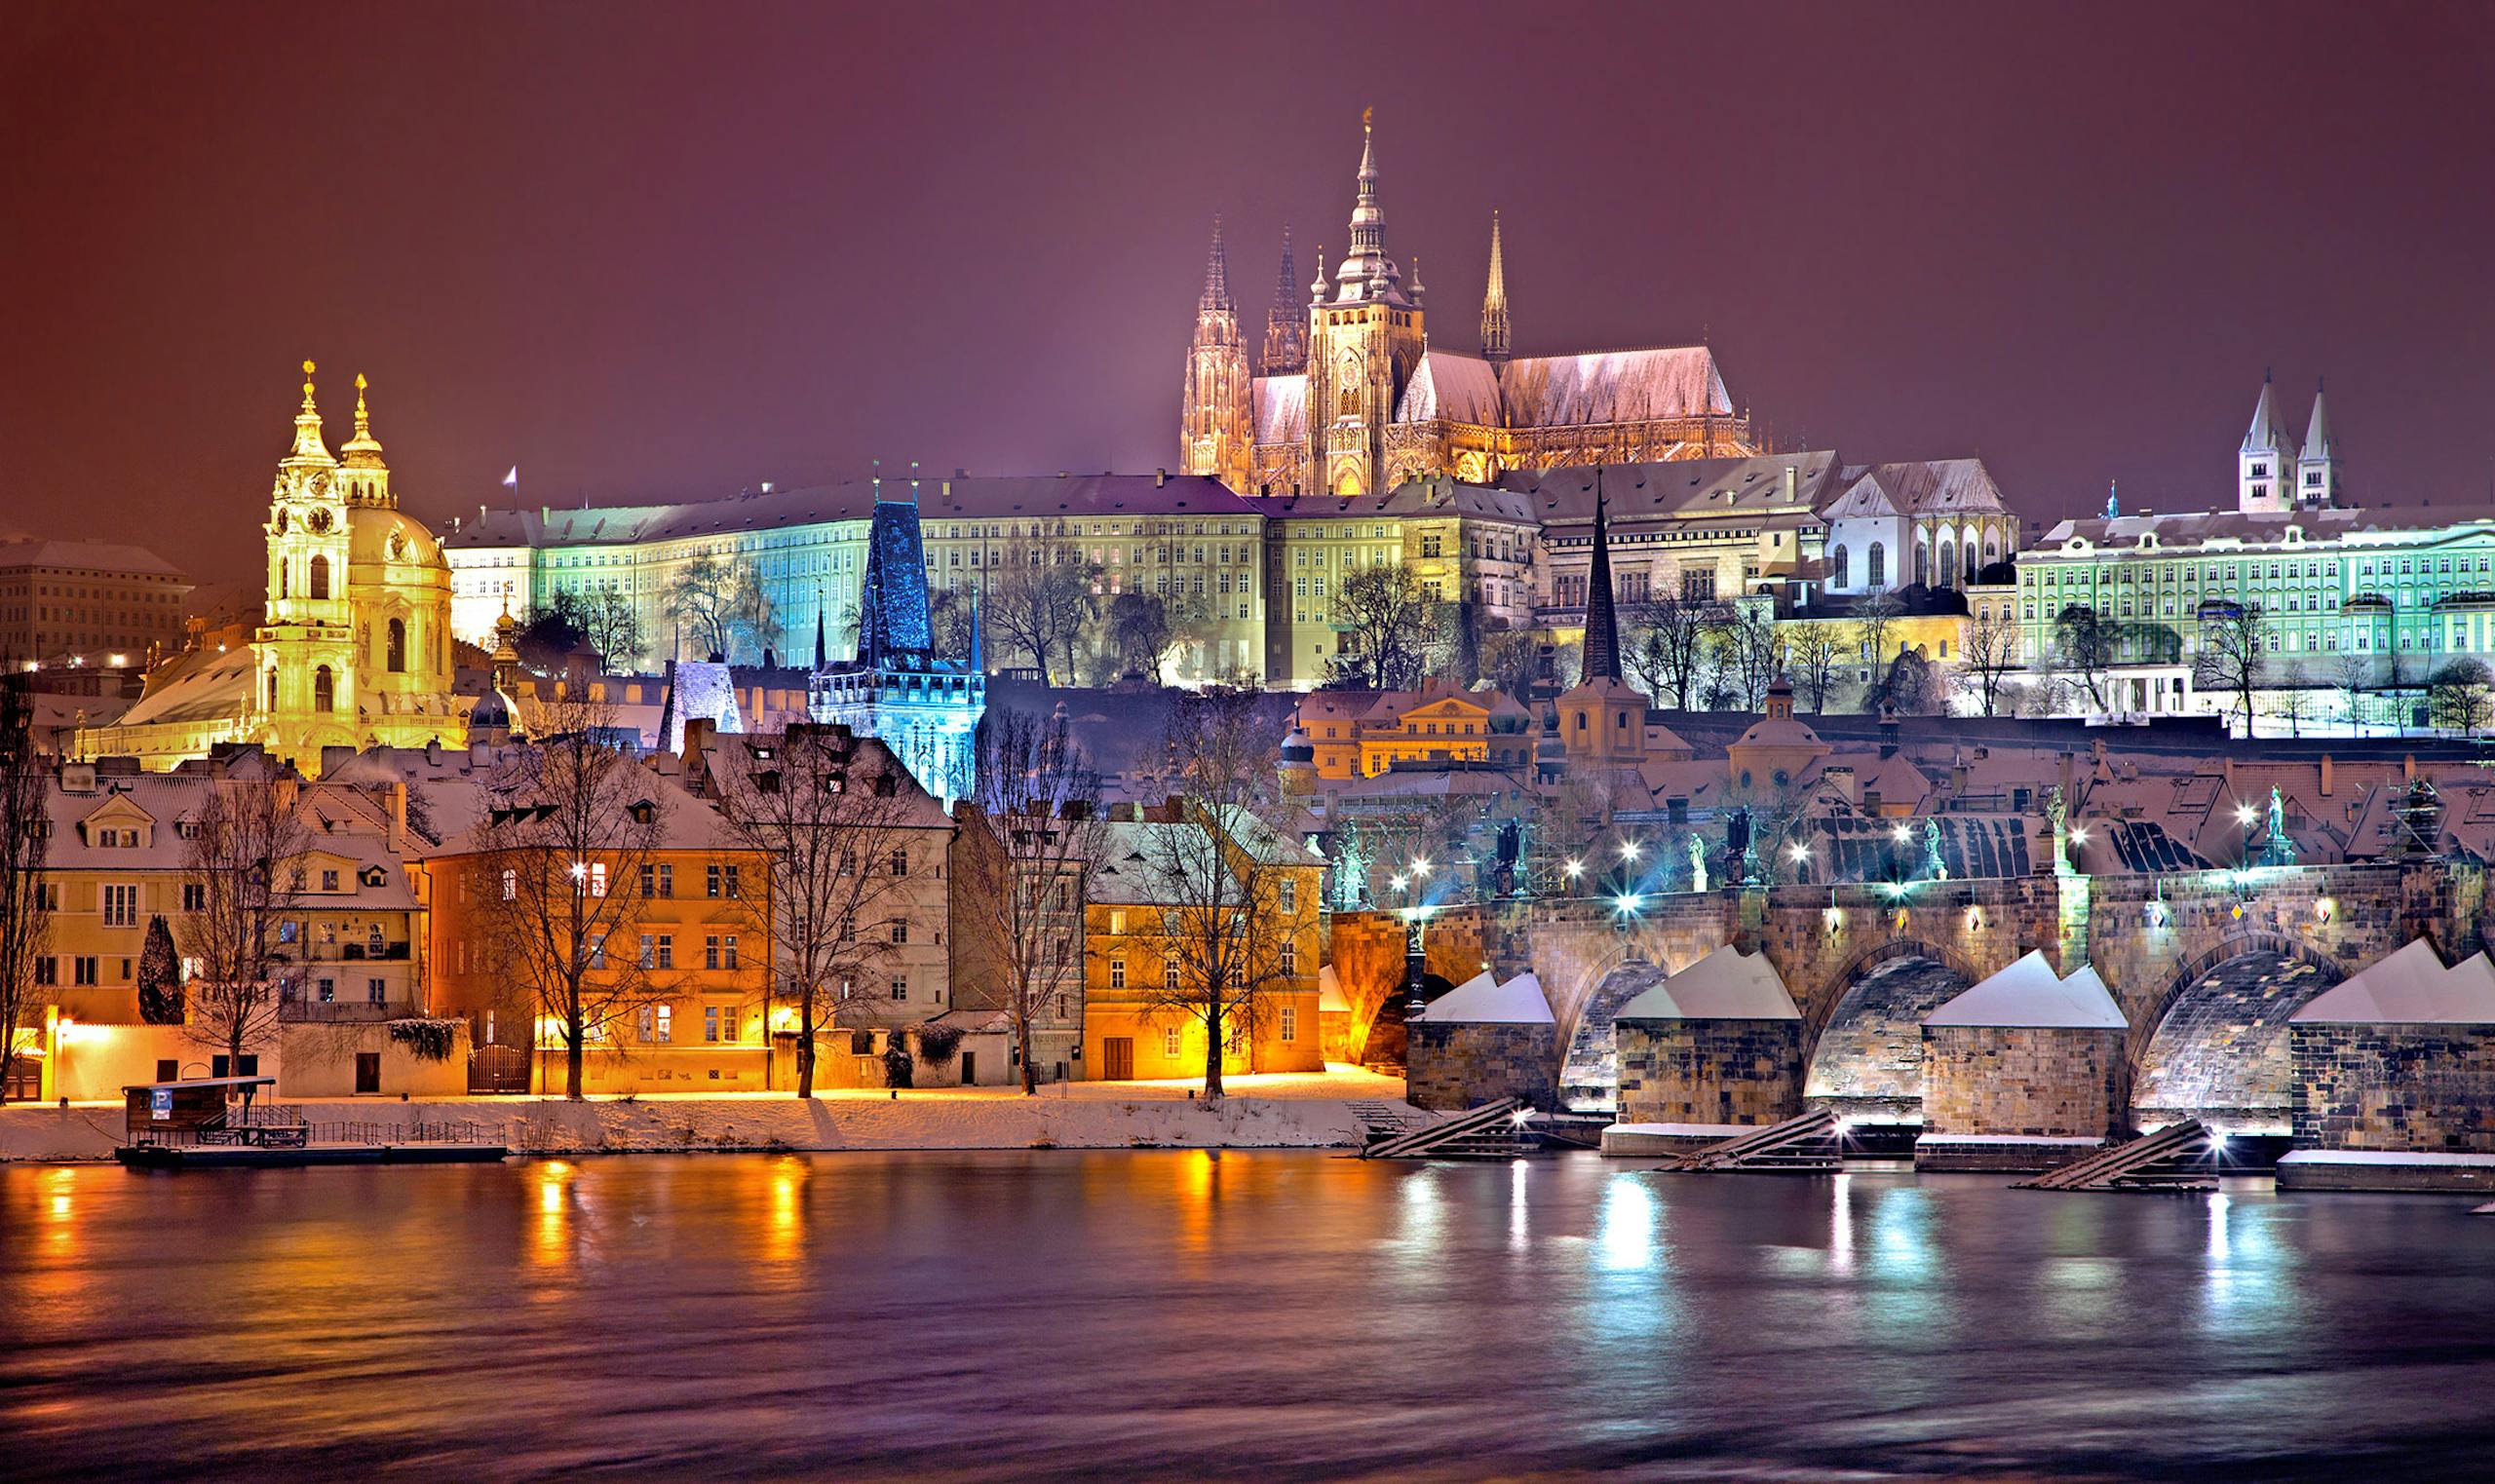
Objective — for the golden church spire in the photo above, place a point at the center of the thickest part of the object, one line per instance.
(309, 446)
(363, 451)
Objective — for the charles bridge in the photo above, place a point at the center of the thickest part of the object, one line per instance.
(2206, 966)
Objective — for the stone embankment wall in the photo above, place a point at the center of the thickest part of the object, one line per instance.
(2030, 1082)
(1464, 1065)
(1710, 1071)
(2410, 1088)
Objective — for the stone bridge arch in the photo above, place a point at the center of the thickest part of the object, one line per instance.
(1864, 1037)
(1592, 960)
(2214, 1043)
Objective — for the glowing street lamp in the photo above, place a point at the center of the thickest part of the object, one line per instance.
(1421, 867)
(1574, 869)
(1800, 851)
(1627, 902)
(1627, 850)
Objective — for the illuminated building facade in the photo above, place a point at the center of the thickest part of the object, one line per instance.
(1362, 402)
(2381, 596)
(354, 649)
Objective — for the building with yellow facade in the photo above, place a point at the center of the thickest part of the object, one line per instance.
(1134, 1021)
(354, 647)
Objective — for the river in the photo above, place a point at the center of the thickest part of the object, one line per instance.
(1185, 1315)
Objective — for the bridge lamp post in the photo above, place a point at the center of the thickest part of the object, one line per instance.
(1414, 962)
(1573, 870)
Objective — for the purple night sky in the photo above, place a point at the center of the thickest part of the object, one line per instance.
(662, 252)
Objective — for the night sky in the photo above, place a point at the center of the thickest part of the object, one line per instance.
(661, 251)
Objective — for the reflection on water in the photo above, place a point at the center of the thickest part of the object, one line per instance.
(1187, 1315)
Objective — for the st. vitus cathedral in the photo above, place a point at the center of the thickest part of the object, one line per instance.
(1352, 396)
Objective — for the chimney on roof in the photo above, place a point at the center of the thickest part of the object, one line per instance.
(1159, 476)
(1792, 483)
(398, 816)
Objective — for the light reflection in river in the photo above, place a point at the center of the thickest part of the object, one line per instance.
(1065, 1316)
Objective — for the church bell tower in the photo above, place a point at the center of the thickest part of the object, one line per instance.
(304, 653)
(1364, 342)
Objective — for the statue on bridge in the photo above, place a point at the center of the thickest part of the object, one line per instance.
(1934, 867)
(2277, 848)
(1697, 863)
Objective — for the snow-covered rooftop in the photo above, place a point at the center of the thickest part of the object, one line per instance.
(2029, 994)
(1725, 985)
(2413, 987)
(1484, 1001)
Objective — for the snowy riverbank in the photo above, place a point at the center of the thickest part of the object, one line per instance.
(1264, 1112)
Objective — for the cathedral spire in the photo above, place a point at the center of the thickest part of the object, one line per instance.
(1366, 272)
(1285, 323)
(1494, 303)
(1602, 621)
(1217, 295)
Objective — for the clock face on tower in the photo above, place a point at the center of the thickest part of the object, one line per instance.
(320, 520)
(280, 523)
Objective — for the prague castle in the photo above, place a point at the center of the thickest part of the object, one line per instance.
(1355, 399)
(354, 647)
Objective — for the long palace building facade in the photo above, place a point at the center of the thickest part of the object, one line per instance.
(1351, 398)
(2349, 598)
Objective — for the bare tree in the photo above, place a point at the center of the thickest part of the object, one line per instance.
(612, 627)
(1389, 626)
(1990, 655)
(2461, 697)
(1042, 603)
(1876, 623)
(827, 811)
(718, 603)
(2352, 675)
(1231, 911)
(572, 822)
(1813, 657)
(243, 860)
(25, 924)
(2085, 646)
(2230, 658)
(1668, 646)
(1030, 841)
(1742, 648)
(1149, 632)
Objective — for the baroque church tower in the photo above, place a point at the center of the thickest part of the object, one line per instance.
(354, 647)
(1364, 342)
(1215, 436)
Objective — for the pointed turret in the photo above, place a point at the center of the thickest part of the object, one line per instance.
(310, 447)
(1285, 323)
(2261, 465)
(822, 650)
(1217, 295)
(363, 451)
(1495, 304)
(2317, 467)
(1602, 621)
(2265, 432)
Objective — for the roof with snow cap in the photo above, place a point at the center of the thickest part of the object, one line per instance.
(2409, 987)
(2029, 994)
(1727, 984)
(1484, 1001)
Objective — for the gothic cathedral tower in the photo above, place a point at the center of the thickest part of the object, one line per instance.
(1215, 436)
(1364, 342)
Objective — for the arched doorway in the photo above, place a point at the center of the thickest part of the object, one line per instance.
(1868, 1058)
(2219, 1047)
